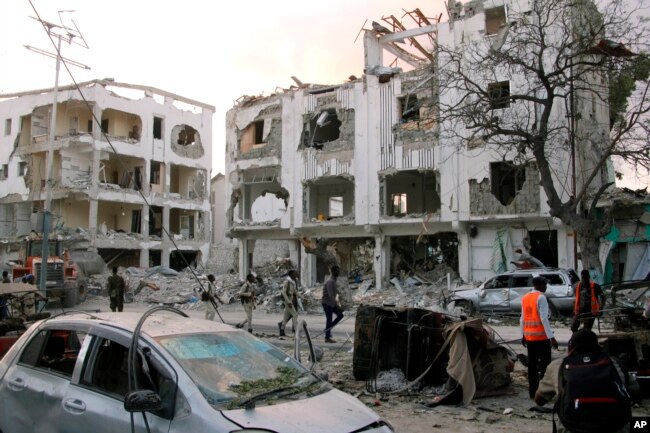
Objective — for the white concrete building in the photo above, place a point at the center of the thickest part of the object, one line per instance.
(361, 163)
(119, 198)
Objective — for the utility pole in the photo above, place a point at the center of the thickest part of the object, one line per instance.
(67, 34)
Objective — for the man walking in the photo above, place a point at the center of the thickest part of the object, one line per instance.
(247, 296)
(290, 297)
(208, 298)
(330, 304)
(116, 286)
(589, 300)
(537, 333)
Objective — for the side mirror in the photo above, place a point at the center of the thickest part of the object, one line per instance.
(143, 400)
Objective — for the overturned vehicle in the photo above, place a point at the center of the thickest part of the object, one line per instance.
(430, 349)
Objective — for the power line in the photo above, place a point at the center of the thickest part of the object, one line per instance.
(118, 156)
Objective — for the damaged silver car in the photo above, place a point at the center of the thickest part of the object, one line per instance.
(502, 293)
(84, 373)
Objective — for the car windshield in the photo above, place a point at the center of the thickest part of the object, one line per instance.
(233, 368)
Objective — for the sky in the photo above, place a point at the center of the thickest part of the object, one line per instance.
(211, 51)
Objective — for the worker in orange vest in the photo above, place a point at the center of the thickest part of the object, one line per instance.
(589, 300)
(537, 334)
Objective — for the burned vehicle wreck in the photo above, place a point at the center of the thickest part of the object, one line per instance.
(630, 339)
(431, 349)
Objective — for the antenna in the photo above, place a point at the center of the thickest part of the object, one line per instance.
(70, 35)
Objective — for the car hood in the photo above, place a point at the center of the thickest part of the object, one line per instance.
(330, 412)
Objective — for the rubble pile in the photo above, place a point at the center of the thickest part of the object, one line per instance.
(162, 285)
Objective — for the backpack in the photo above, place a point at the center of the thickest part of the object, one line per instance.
(592, 396)
(205, 296)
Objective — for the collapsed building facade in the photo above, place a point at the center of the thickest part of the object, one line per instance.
(362, 163)
(160, 149)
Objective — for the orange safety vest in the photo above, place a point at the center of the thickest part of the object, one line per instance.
(595, 305)
(533, 326)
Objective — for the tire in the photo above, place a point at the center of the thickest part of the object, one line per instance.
(82, 291)
(466, 307)
(553, 312)
(69, 298)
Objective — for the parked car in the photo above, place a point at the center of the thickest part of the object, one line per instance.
(69, 373)
(503, 292)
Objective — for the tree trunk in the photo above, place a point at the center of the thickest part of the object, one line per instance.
(589, 251)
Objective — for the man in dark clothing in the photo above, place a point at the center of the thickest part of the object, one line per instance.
(582, 342)
(116, 286)
(4, 314)
(589, 301)
(330, 304)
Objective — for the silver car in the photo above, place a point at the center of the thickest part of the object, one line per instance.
(503, 292)
(71, 373)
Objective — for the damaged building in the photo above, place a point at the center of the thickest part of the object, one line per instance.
(114, 146)
(364, 161)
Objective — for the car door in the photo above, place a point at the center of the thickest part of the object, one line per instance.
(98, 395)
(34, 387)
(520, 284)
(495, 294)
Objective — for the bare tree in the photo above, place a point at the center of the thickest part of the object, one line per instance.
(538, 91)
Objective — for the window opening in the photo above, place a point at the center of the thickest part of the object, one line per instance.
(157, 128)
(499, 95)
(495, 18)
(506, 180)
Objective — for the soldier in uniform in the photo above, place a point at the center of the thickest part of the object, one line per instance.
(290, 297)
(247, 295)
(116, 286)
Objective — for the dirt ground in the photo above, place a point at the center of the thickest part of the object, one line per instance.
(408, 414)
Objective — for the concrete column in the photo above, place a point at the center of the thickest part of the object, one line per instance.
(92, 219)
(207, 227)
(146, 176)
(243, 258)
(464, 256)
(307, 268)
(144, 257)
(294, 252)
(144, 221)
(166, 243)
(381, 263)
(168, 178)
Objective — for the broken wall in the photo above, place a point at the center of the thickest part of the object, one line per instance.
(186, 142)
(526, 199)
(318, 195)
(76, 168)
(330, 123)
(410, 192)
(417, 105)
(268, 251)
(262, 137)
(73, 213)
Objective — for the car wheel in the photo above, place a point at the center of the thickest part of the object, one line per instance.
(82, 291)
(465, 307)
(69, 298)
(553, 312)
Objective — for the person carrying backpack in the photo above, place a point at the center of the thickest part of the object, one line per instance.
(589, 387)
